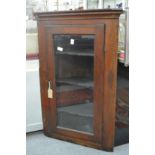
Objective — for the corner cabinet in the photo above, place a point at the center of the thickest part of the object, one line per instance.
(78, 73)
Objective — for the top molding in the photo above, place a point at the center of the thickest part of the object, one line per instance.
(99, 13)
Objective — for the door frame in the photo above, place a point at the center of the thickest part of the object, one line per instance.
(99, 32)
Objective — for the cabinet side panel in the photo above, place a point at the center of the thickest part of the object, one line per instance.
(110, 81)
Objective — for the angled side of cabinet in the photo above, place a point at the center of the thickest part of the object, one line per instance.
(78, 63)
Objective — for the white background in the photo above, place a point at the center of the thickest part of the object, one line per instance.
(13, 77)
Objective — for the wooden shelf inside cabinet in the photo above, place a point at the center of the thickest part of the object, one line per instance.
(67, 87)
(81, 82)
(76, 53)
(82, 76)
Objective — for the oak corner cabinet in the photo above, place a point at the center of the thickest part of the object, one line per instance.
(78, 72)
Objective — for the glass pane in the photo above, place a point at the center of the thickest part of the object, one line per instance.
(74, 56)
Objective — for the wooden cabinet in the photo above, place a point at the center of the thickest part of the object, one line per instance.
(78, 63)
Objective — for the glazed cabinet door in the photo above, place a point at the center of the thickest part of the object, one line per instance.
(75, 67)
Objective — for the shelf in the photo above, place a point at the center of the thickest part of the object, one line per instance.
(83, 109)
(68, 87)
(83, 82)
(76, 53)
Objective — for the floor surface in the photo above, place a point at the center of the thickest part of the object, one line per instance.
(38, 144)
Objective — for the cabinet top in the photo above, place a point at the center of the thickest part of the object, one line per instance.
(98, 13)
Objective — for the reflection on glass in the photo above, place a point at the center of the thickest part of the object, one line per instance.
(74, 55)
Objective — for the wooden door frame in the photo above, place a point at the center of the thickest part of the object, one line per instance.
(98, 31)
